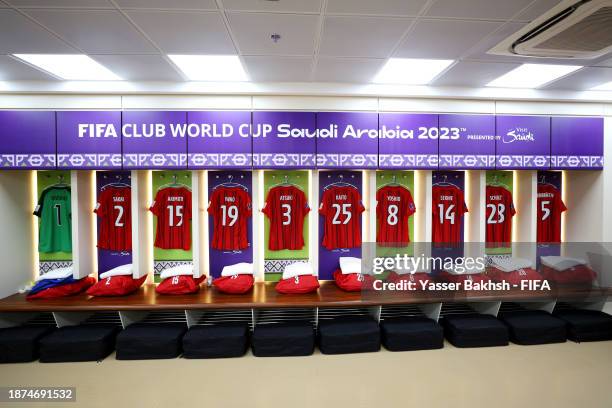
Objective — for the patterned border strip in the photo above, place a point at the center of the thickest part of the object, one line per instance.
(577, 162)
(278, 265)
(284, 159)
(47, 266)
(524, 161)
(347, 160)
(93, 160)
(153, 160)
(221, 160)
(159, 266)
(467, 161)
(27, 161)
(422, 161)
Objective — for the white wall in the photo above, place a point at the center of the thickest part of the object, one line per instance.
(17, 240)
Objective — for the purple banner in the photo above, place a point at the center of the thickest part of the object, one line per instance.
(89, 140)
(218, 258)
(107, 259)
(154, 140)
(28, 140)
(577, 143)
(219, 140)
(523, 142)
(284, 140)
(347, 140)
(406, 141)
(329, 260)
(467, 141)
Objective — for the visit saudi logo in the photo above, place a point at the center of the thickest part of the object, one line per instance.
(518, 135)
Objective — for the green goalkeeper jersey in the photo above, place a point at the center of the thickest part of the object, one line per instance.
(54, 211)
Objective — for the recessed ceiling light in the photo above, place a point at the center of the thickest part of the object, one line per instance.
(603, 87)
(410, 71)
(74, 67)
(210, 67)
(532, 75)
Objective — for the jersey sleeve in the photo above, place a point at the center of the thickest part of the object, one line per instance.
(560, 204)
(511, 205)
(157, 203)
(41, 201)
(212, 203)
(267, 210)
(188, 206)
(100, 209)
(324, 206)
(248, 205)
(410, 207)
(304, 207)
(379, 194)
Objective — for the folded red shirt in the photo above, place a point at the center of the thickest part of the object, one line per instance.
(513, 277)
(298, 284)
(236, 284)
(353, 282)
(68, 289)
(179, 285)
(120, 285)
(579, 274)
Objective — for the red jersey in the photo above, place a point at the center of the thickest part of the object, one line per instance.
(394, 205)
(342, 208)
(550, 207)
(286, 207)
(230, 208)
(114, 208)
(447, 214)
(499, 212)
(172, 206)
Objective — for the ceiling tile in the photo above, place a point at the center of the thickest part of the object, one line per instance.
(468, 73)
(32, 37)
(80, 4)
(12, 70)
(185, 32)
(168, 4)
(443, 39)
(94, 31)
(286, 6)
(379, 7)
(279, 69)
(360, 70)
(583, 79)
(538, 8)
(139, 67)
(253, 30)
(477, 9)
(373, 37)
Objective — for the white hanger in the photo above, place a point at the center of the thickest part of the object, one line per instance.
(230, 183)
(285, 182)
(340, 183)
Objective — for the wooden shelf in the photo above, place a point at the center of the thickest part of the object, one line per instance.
(263, 295)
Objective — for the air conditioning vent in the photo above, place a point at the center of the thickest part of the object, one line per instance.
(573, 29)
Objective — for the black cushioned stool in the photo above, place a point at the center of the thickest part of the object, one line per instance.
(216, 341)
(475, 330)
(586, 325)
(355, 334)
(411, 333)
(529, 327)
(19, 344)
(78, 343)
(149, 341)
(283, 339)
